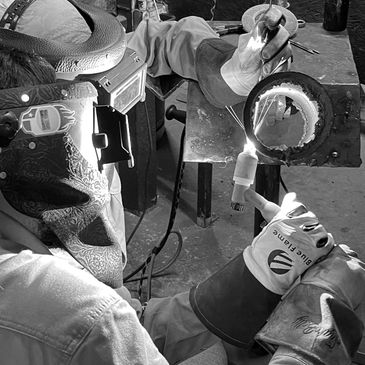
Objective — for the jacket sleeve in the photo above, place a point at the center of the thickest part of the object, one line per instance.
(175, 329)
(170, 47)
(118, 338)
(189, 48)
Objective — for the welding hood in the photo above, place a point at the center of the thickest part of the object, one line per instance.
(117, 73)
(55, 139)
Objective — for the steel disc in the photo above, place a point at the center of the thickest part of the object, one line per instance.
(250, 17)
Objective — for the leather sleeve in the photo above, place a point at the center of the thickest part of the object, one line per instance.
(170, 47)
(189, 48)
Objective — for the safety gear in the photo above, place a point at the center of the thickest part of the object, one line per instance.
(49, 173)
(321, 311)
(233, 304)
(334, 273)
(59, 189)
(291, 243)
(258, 54)
(227, 73)
(80, 50)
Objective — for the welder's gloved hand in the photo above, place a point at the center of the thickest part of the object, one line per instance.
(291, 243)
(318, 320)
(342, 273)
(258, 54)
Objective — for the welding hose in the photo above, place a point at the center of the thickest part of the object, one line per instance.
(171, 113)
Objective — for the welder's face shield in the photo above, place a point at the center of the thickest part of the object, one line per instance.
(49, 168)
(288, 116)
(103, 59)
(56, 138)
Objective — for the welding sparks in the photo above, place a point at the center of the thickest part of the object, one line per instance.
(250, 146)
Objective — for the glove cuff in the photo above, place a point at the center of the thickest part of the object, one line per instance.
(211, 54)
(232, 304)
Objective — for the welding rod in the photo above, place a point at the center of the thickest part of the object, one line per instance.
(304, 48)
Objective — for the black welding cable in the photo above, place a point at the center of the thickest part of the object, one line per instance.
(283, 184)
(148, 163)
(149, 276)
(174, 206)
(159, 272)
(212, 9)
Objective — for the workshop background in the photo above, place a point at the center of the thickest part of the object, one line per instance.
(336, 195)
(309, 10)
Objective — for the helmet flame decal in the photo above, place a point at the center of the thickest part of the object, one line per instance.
(47, 119)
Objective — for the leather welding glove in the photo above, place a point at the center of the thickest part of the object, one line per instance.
(227, 73)
(236, 301)
(258, 54)
(317, 320)
(291, 243)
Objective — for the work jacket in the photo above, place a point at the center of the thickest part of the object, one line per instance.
(52, 312)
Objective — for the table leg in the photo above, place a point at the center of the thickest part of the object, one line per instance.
(267, 184)
(204, 201)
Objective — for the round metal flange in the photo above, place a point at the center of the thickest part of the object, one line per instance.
(250, 17)
(313, 91)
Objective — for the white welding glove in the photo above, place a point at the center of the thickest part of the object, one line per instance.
(259, 53)
(291, 243)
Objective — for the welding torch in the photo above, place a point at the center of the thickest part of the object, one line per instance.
(267, 208)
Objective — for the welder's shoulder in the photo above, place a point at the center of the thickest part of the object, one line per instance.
(51, 304)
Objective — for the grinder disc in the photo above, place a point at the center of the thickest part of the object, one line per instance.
(250, 17)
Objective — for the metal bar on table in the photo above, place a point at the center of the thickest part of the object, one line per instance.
(304, 48)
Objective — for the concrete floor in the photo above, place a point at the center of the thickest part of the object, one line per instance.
(336, 195)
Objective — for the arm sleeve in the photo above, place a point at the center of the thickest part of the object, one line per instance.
(189, 48)
(118, 338)
(170, 47)
(175, 329)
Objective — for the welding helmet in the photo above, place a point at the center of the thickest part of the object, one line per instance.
(55, 139)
